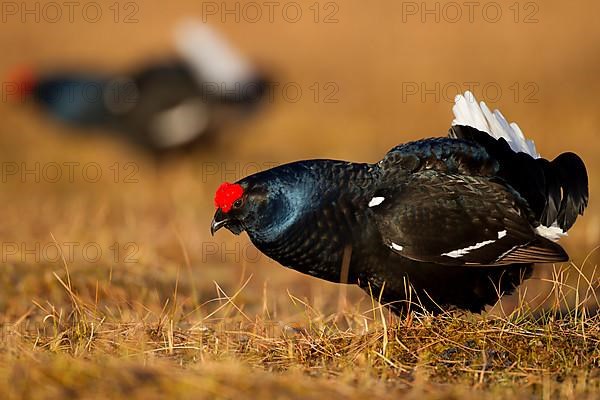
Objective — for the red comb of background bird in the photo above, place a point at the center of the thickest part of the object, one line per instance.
(227, 194)
(23, 78)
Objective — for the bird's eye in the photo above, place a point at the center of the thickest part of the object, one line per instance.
(237, 203)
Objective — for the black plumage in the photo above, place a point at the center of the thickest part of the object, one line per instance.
(437, 223)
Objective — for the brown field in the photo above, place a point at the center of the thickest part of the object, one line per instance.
(167, 311)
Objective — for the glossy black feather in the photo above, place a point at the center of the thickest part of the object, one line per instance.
(572, 175)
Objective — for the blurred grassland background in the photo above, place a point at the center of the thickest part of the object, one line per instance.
(375, 55)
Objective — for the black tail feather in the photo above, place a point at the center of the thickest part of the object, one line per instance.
(556, 191)
(567, 190)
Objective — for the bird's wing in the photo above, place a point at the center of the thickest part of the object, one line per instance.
(459, 220)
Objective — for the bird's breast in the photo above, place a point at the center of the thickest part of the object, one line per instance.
(315, 243)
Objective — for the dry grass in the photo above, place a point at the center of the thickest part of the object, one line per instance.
(99, 347)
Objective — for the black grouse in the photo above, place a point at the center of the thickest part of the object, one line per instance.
(438, 223)
(161, 105)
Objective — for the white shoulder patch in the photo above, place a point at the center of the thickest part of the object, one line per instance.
(375, 201)
(501, 234)
(467, 111)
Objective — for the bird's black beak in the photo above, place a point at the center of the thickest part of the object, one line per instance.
(219, 221)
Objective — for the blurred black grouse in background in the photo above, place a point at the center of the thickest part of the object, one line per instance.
(438, 223)
(160, 106)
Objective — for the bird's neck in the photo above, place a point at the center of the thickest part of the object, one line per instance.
(321, 214)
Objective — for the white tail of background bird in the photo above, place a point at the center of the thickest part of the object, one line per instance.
(210, 55)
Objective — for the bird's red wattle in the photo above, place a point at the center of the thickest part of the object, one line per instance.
(227, 194)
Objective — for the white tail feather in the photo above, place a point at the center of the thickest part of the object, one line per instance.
(477, 115)
(210, 56)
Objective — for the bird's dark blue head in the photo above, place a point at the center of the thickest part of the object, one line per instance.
(259, 208)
